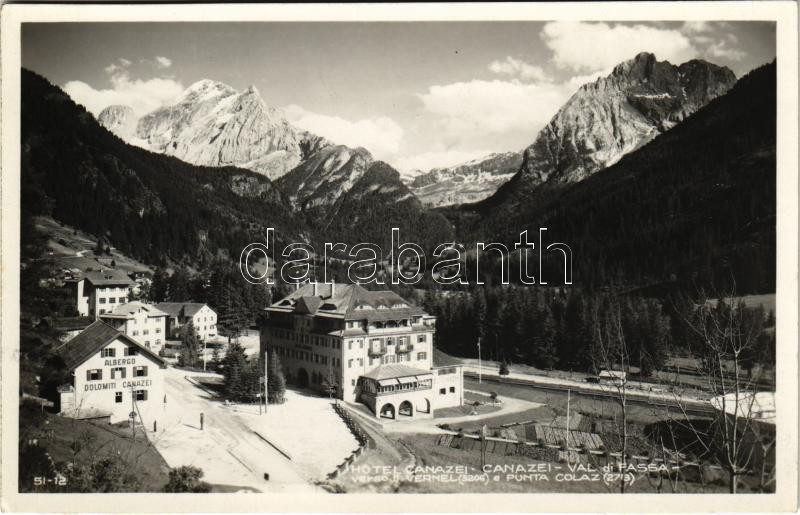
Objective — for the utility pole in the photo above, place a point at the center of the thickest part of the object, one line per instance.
(266, 379)
(204, 354)
(568, 392)
(480, 367)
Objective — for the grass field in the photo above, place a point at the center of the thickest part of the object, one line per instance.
(68, 440)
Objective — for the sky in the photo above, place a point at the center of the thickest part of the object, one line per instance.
(416, 94)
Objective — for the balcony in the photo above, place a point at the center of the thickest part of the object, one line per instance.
(376, 351)
(404, 347)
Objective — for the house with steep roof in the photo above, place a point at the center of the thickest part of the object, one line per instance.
(113, 375)
(100, 292)
(377, 346)
(198, 314)
(144, 323)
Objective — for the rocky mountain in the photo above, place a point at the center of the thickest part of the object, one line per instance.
(212, 124)
(119, 119)
(693, 209)
(468, 182)
(348, 196)
(325, 175)
(606, 119)
(154, 207)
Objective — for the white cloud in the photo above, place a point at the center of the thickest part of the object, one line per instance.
(380, 135)
(142, 96)
(469, 110)
(589, 47)
(517, 68)
(163, 62)
(721, 49)
(696, 27)
(117, 67)
(436, 158)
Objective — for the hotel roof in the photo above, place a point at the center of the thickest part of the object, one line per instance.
(94, 338)
(395, 371)
(175, 309)
(129, 309)
(108, 278)
(349, 301)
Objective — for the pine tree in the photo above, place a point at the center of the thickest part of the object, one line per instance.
(276, 382)
(190, 348)
(234, 364)
(159, 285)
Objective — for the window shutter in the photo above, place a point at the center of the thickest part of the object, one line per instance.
(88, 375)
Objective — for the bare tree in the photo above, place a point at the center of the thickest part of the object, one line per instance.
(725, 336)
(610, 352)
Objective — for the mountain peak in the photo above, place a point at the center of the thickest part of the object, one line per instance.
(615, 115)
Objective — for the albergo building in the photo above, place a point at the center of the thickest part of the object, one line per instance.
(375, 346)
(113, 375)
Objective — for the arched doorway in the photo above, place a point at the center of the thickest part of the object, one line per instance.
(387, 411)
(424, 406)
(406, 409)
(302, 378)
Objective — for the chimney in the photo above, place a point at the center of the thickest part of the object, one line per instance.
(316, 290)
(333, 289)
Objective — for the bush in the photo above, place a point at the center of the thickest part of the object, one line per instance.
(503, 368)
(186, 479)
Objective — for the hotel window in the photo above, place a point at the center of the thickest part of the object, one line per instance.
(118, 373)
(349, 363)
(452, 389)
(349, 344)
(139, 371)
(122, 299)
(141, 395)
(158, 330)
(360, 362)
(117, 397)
(135, 333)
(158, 342)
(102, 311)
(421, 356)
(102, 300)
(147, 344)
(353, 382)
(107, 353)
(421, 338)
(94, 375)
(146, 332)
(360, 344)
(442, 391)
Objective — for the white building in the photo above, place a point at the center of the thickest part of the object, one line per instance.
(112, 376)
(143, 322)
(101, 292)
(378, 347)
(200, 315)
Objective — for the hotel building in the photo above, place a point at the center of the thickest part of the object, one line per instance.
(101, 292)
(377, 347)
(143, 322)
(113, 375)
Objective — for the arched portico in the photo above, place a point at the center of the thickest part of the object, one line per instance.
(387, 411)
(302, 378)
(406, 409)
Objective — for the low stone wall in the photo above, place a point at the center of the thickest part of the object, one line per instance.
(364, 440)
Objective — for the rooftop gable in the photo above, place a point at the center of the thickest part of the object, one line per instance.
(92, 339)
(108, 278)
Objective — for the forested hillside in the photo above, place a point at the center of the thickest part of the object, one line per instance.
(154, 207)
